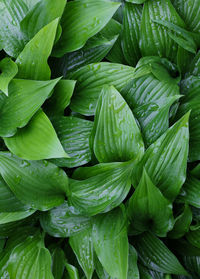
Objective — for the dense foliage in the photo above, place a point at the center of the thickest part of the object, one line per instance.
(99, 139)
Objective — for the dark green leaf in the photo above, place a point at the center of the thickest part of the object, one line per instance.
(58, 263)
(133, 272)
(190, 191)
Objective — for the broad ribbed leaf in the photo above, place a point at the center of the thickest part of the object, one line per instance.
(168, 155)
(30, 259)
(11, 38)
(61, 97)
(37, 140)
(155, 39)
(194, 238)
(116, 136)
(39, 184)
(25, 98)
(194, 67)
(40, 15)
(133, 272)
(182, 223)
(94, 51)
(149, 210)
(8, 71)
(64, 221)
(101, 188)
(191, 101)
(30, 3)
(74, 134)
(192, 263)
(111, 242)
(131, 33)
(32, 61)
(81, 20)
(58, 263)
(82, 246)
(155, 255)
(90, 81)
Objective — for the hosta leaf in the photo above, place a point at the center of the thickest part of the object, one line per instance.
(116, 136)
(194, 68)
(190, 190)
(94, 51)
(192, 264)
(168, 154)
(183, 63)
(30, 3)
(182, 223)
(25, 98)
(194, 238)
(64, 221)
(32, 61)
(30, 258)
(133, 272)
(191, 101)
(101, 188)
(58, 262)
(8, 71)
(155, 255)
(61, 97)
(72, 272)
(74, 134)
(37, 140)
(136, 1)
(149, 210)
(155, 39)
(11, 38)
(92, 17)
(82, 246)
(91, 79)
(40, 15)
(111, 242)
(50, 182)
(131, 33)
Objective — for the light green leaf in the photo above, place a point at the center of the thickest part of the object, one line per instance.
(41, 14)
(37, 140)
(31, 3)
(8, 71)
(100, 188)
(168, 155)
(111, 242)
(136, 1)
(90, 81)
(92, 17)
(149, 210)
(64, 221)
(50, 182)
(25, 98)
(58, 262)
(155, 255)
(11, 38)
(116, 136)
(155, 39)
(131, 32)
(182, 223)
(30, 259)
(32, 61)
(72, 271)
(61, 97)
(82, 246)
(74, 134)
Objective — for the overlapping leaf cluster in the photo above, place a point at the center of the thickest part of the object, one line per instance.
(100, 139)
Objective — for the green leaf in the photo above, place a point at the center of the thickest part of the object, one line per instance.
(50, 182)
(58, 263)
(111, 242)
(37, 140)
(116, 136)
(100, 188)
(72, 271)
(74, 134)
(8, 217)
(61, 97)
(131, 32)
(149, 210)
(8, 71)
(30, 3)
(168, 155)
(155, 39)
(194, 67)
(82, 246)
(90, 81)
(32, 61)
(25, 98)
(11, 38)
(155, 255)
(30, 258)
(41, 14)
(191, 101)
(133, 272)
(92, 17)
(182, 223)
(194, 238)
(64, 221)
